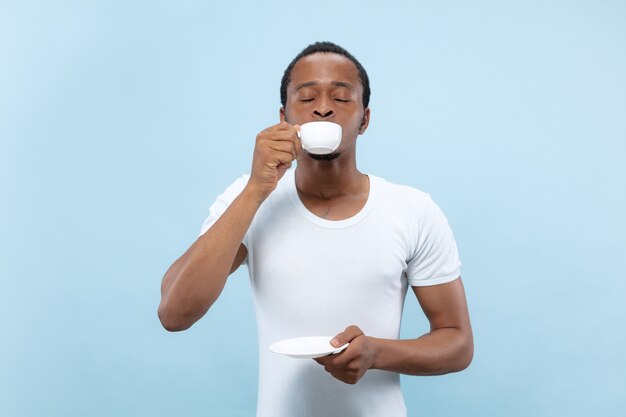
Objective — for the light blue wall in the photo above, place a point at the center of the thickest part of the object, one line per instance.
(121, 121)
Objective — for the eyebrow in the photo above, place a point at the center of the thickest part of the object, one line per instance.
(335, 83)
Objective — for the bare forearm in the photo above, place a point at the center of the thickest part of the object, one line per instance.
(439, 352)
(196, 279)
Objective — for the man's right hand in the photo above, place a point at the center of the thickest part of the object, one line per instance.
(275, 149)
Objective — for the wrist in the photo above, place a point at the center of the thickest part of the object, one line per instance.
(254, 193)
(376, 351)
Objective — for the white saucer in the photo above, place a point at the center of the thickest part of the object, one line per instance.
(306, 347)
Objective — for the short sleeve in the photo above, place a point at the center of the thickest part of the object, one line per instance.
(222, 202)
(434, 256)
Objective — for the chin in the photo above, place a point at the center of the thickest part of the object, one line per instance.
(327, 157)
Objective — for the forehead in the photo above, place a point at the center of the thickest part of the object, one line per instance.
(325, 68)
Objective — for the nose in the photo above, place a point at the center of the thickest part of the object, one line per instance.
(323, 115)
(323, 109)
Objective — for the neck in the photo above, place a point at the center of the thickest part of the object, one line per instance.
(328, 179)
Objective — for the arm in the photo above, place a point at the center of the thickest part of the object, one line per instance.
(448, 347)
(193, 283)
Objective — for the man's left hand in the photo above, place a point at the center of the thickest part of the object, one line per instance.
(351, 364)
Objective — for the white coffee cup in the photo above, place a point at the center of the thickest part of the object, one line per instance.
(320, 138)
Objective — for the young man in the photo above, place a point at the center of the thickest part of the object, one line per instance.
(330, 251)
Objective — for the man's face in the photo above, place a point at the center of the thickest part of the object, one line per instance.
(327, 87)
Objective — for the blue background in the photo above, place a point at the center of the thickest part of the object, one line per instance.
(121, 121)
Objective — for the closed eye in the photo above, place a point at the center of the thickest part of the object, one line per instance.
(341, 100)
(306, 100)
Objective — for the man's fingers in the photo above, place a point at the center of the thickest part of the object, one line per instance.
(275, 137)
(275, 150)
(284, 146)
(337, 360)
(346, 336)
(345, 372)
(277, 127)
(322, 360)
(351, 364)
(290, 135)
(281, 158)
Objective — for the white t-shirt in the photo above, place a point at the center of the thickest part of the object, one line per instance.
(315, 277)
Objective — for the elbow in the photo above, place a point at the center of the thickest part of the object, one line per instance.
(466, 355)
(179, 315)
(465, 361)
(459, 357)
(170, 321)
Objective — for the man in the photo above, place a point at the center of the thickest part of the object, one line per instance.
(330, 250)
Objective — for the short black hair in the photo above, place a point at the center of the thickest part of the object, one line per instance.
(325, 47)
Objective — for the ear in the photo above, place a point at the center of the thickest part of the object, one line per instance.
(365, 121)
(281, 113)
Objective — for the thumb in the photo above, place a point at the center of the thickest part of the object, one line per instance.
(347, 336)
